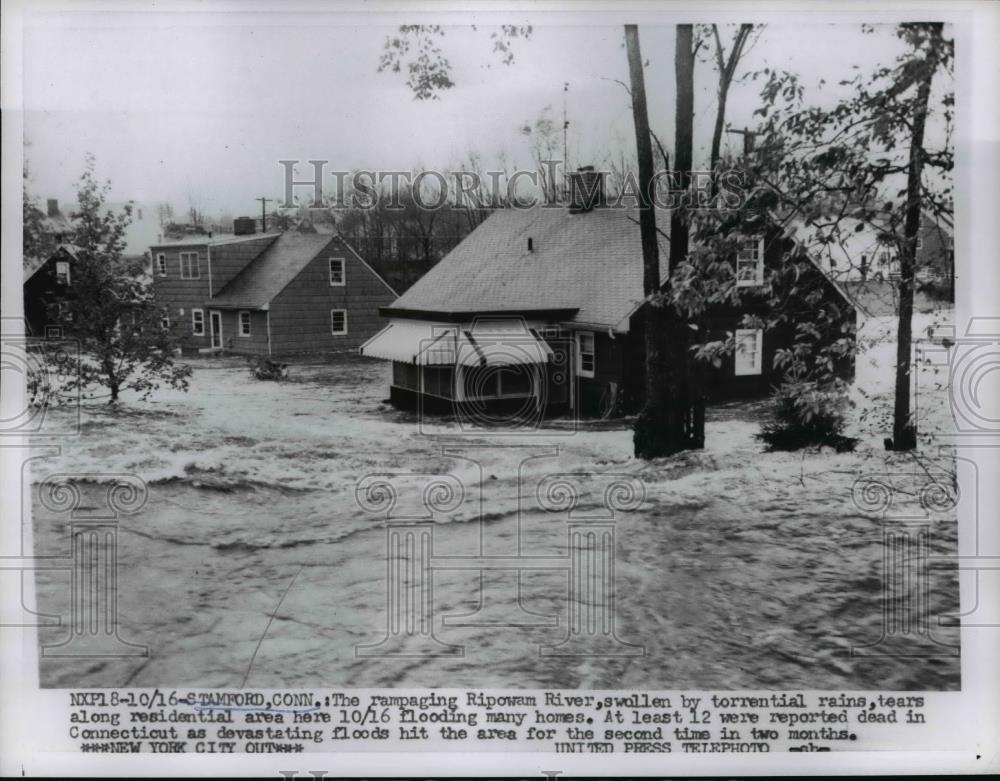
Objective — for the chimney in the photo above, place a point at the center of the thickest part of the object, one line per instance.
(244, 226)
(586, 189)
(52, 207)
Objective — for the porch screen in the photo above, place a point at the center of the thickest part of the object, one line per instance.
(405, 375)
(439, 381)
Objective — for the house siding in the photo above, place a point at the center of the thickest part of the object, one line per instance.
(43, 291)
(255, 344)
(228, 260)
(300, 314)
(180, 296)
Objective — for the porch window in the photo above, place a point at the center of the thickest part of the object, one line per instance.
(338, 322)
(62, 272)
(405, 375)
(439, 381)
(750, 262)
(749, 351)
(585, 356)
(244, 323)
(337, 276)
(498, 382)
(190, 265)
(198, 322)
(161, 264)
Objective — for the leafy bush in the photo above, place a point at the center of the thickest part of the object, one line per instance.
(263, 368)
(807, 413)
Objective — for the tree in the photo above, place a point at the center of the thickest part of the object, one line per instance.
(652, 419)
(416, 48)
(726, 66)
(835, 169)
(125, 337)
(668, 421)
(38, 242)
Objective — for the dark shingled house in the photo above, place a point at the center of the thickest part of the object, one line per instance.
(541, 307)
(269, 294)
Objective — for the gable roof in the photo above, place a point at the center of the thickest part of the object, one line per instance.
(270, 272)
(32, 265)
(591, 262)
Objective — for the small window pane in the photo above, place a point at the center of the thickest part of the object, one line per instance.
(336, 271)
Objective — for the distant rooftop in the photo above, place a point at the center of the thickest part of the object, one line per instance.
(212, 241)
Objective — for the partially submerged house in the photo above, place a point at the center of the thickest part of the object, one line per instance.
(48, 284)
(543, 306)
(268, 294)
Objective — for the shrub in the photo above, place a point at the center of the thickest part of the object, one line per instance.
(263, 368)
(807, 413)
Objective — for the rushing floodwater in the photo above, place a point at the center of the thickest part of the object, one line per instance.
(252, 561)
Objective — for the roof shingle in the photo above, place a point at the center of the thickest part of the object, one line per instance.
(268, 273)
(590, 261)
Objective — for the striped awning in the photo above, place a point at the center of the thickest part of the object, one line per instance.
(484, 343)
(419, 342)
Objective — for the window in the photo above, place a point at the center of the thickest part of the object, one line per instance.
(244, 323)
(393, 246)
(585, 354)
(439, 380)
(499, 382)
(161, 264)
(165, 321)
(198, 322)
(338, 321)
(920, 242)
(62, 272)
(749, 351)
(190, 265)
(337, 276)
(405, 375)
(750, 262)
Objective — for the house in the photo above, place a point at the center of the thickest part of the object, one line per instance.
(48, 284)
(543, 306)
(268, 294)
(864, 255)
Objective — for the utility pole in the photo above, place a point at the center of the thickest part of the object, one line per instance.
(565, 146)
(263, 212)
(748, 139)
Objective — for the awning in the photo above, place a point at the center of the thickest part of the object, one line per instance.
(413, 341)
(484, 343)
(501, 342)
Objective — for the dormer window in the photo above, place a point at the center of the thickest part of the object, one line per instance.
(750, 262)
(62, 272)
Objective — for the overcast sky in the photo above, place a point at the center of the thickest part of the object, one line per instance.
(199, 107)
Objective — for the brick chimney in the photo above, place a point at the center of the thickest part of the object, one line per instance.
(244, 226)
(52, 207)
(586, 189)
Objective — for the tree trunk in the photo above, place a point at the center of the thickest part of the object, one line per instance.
(904, 427)
(649, 437)
(668, 423)
(727, 71)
